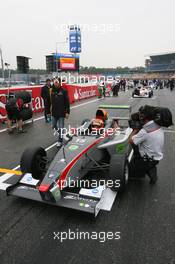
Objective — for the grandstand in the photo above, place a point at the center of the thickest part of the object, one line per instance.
(160, 63)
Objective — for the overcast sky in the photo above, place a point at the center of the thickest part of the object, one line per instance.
(117, 33)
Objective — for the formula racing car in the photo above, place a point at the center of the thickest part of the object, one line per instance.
(142, 92)
(96, 150)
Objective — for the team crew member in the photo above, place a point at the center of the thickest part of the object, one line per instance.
(13, 108)
(116, 87)
(104, 89)
(45, 94)
(60, 108)
(148, 146)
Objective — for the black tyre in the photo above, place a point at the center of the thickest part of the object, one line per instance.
(26, 114)
(33, 161)
(118, 172)
(85, 121)
(24, 95)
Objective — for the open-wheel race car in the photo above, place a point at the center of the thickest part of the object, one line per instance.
(96, 150)
(142, 92)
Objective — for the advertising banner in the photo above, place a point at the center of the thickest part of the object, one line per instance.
(75, 92)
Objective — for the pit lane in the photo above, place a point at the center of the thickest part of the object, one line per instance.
(144, 215)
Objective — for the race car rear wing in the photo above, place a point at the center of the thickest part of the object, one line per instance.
(126, 107)
(118, 107)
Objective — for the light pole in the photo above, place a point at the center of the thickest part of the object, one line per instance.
(2, 63)
(9, 76)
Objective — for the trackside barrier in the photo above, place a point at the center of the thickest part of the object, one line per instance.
(75, 92)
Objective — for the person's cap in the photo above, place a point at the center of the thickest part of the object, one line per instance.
(48, 80)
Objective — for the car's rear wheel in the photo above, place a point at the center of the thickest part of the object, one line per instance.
(34, 161)
(118, 172)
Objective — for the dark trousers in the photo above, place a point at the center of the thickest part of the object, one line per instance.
(140, 166)
(46, 110)
(58, 124)
(115, 91)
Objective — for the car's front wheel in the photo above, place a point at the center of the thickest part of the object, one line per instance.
(34, 161)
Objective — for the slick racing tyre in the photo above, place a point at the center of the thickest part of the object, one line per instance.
(26, 114)
(24, 95)
(33, 161)
(118, 172)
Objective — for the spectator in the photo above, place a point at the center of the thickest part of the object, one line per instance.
(103, 89)
(45, 94)
(116, 88)
(100, 91)
(60, 108)
(172, 84)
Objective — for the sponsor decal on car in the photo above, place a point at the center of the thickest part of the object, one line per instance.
(27, 188)
(94, 190)
(80, 141)
(28, 179)
(73, 147)
(71, 197)
(120, 148)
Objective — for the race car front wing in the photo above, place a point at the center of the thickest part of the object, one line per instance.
(87, 200)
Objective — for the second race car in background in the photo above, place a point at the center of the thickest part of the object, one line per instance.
(145, 92)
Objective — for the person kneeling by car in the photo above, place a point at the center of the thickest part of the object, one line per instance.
(14, 107)
(147, 140)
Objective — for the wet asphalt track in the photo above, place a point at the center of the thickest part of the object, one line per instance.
(144, 215)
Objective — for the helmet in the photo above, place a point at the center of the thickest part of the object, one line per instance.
(97, 124)
(102, 114)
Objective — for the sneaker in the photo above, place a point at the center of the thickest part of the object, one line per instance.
(59, 144)
(20, 131)
(49, 119)
(10, 131)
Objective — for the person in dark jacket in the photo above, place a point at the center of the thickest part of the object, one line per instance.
(171, 84)
(45, 94)
(60, 108)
